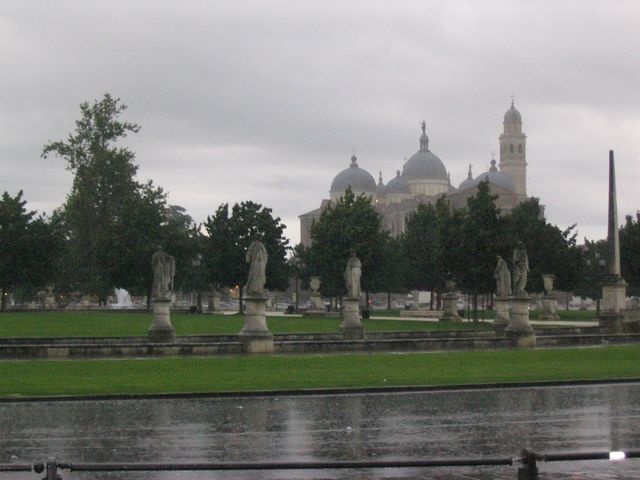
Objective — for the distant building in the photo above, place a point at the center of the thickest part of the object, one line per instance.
(424, 178)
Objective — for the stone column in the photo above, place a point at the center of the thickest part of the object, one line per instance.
(255, 335)
(213, 302)
(161, 330)
(502, 314)
(315, 300)
(351, 326)
(614, 288)
(549, 301)
(450, 303)
(519, 328)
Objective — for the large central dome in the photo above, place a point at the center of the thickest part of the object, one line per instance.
(424, 165)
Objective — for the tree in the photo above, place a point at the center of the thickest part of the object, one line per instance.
(550, 249)
(28, 247)
(229, 235)
(112, 222)
(630, 253)
(481, 240)
(352, 223)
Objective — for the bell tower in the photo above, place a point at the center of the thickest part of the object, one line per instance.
(513, 150)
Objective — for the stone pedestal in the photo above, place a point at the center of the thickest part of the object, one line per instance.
(502, 314)
(351, 326)
(255, 335)
(614, 293)
(450, 308)
(161, 330)
(549, 308)
(519, 328)
(213, 302)
(316, 303)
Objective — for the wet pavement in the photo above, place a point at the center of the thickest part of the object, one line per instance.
(395, 426)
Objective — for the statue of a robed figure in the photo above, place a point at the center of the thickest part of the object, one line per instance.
(257, 258)
(520, 270)
(352, 274)
(164, 269)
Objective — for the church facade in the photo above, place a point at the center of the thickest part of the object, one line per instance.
(424, 178)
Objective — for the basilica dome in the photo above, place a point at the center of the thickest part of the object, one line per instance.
(467, 182)
(424, 165)
(398, 185)
(355, 177)
(495, 177)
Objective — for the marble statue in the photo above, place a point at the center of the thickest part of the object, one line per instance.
(257, 258)
(352, 274)
(503, 278)
(520, 270)
(164, 268)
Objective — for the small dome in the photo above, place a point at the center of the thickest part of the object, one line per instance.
(512, 115)
(355, 177)
(494, 177)
(398, 185)
(467, 182)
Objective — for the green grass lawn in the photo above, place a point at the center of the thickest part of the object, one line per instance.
(107, 324)
(256, 373)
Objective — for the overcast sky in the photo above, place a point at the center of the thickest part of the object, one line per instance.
(265, 100)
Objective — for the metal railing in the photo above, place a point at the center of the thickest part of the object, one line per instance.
(527, 464)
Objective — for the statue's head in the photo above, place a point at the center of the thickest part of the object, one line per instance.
(353, 253)
(158, 248)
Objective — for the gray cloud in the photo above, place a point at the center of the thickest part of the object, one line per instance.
(264, 100)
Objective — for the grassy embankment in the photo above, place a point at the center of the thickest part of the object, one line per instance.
(105, 324)
(259, 373)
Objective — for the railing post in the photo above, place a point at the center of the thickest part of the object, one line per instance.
(52, 469)
(529, 468)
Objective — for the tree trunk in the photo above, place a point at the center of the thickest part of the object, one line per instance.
(597, 307)
(438, 300)
(149, 293)
(388, 300)
(431, 300)
(240, 309)
(3, 301)
(366, 299)
(475, 308)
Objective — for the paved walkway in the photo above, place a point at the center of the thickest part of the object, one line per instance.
(558, 323)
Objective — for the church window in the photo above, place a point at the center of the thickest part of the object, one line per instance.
(511, 149)
(519, 148)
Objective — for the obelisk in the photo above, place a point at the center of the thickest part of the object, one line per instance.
(614, 288)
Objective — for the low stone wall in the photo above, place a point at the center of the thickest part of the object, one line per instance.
(210, 345)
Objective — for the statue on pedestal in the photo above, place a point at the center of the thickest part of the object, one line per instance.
(503, 278)
(257, 258)
(164, 268)
(352, 274)
(520, 270)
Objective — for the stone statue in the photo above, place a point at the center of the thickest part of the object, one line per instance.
(352, 276)
(257, 258)
(503, 278)
(314, 284)
(164, 268)
(520, 270)
(423, 125)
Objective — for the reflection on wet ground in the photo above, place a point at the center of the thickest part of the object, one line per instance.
(426, 425)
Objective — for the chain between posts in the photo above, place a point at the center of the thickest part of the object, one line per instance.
(527, 470)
